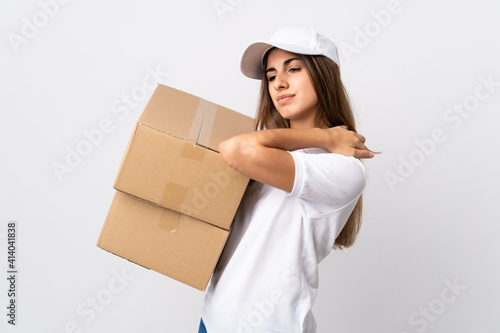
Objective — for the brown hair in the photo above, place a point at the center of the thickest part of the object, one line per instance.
(334, 109)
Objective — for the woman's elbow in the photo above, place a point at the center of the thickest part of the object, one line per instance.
(228, 150)
(236, 152)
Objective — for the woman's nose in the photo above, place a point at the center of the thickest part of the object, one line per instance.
(280, 82)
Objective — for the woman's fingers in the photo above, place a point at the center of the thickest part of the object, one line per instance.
(349, 143)
(362, 138)
(361, 146)
(362, 151)
(363, 154)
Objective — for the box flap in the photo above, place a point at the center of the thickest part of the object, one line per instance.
(220, 124)
(173, 112)
(190, 117)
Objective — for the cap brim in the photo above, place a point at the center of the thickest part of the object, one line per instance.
(252, 57)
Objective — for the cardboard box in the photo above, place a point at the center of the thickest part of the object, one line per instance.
(176, 198)
(172, 157)
(173, 244)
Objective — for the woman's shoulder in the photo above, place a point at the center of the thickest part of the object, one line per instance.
(328, 177)
(320, 155)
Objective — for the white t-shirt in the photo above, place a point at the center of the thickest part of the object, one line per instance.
(267, 277)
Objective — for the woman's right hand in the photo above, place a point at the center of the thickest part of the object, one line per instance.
(342, 141)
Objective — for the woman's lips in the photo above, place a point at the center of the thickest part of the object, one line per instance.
(284, 99)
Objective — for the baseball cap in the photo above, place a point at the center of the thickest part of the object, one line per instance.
(300, 40)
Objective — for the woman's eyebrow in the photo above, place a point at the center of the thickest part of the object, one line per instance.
(286, 62)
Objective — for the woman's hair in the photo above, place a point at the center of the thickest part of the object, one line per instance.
(334, 109)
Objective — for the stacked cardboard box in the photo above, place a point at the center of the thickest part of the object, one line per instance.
(176, 198)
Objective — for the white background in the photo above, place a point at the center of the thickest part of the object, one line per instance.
(436, 225)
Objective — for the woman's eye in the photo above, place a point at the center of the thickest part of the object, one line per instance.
(271, 78)
(294, 69)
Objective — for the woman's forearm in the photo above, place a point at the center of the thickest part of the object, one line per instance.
(335, 140)
(292, 139)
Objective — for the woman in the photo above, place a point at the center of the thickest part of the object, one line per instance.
(305, 197)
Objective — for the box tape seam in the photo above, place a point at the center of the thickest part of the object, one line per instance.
(193, 152)
(169, 221)
(174, 196)
(194, 132)
(208, 124)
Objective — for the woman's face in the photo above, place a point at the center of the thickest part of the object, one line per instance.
(291, 88)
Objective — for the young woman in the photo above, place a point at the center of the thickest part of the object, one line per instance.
(305, 195)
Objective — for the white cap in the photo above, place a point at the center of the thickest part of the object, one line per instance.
(292, 39)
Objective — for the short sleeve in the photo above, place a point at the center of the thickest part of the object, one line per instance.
(327, 181)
